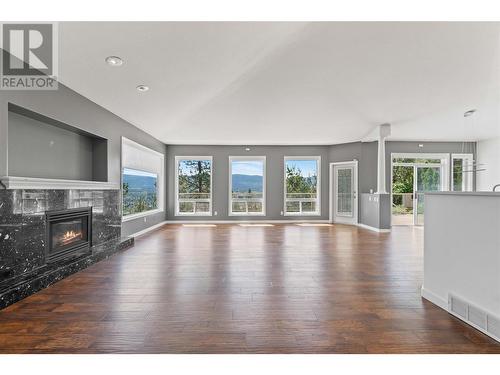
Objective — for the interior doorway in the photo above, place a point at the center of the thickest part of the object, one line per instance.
(413, 175)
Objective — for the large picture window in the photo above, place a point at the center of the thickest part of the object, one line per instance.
(247, 185)
(139, 191)
(193, 185)
(302, 185)
(142, 180)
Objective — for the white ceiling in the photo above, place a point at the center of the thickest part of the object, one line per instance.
(290, 83)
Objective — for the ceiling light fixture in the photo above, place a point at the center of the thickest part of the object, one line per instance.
(469, 113)
(142, 88)
(114, 61)
(247, 149)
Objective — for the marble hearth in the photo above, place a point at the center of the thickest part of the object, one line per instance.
(23, 264)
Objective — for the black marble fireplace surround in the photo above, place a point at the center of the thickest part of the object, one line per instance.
(25, 267)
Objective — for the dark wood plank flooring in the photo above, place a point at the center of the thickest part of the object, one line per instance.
(232, 289)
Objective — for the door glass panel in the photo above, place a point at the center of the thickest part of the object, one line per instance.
(344, 192)
(428, 179)
(458, 174)
(402, 195)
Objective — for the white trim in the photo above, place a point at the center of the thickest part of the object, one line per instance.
(264, 187)
(141, 214)
(149, 229)
(434, 298)
(12, 182)
(419, 155)
(318, 185)
(378, 230)
(140, 146)
(331, 186)
(244, 221)
(176, 177)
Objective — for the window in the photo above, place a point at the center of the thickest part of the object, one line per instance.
(193, 185)
(247, 185)
(139, 191)
(302, 185)
(142, 180)
(461, 172)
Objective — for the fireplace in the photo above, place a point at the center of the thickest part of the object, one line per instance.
(69, 233)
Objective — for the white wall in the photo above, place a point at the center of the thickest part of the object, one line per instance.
(488, 154)
(462, 249)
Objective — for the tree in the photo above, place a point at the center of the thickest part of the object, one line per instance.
(402, 179)
(194, 176)
(296, 183)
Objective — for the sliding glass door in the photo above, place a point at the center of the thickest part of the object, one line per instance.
(413, 175)
(428, 178)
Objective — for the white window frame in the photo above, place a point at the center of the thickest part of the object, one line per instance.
(318, 188)
(444, 166)
(210, 201)
(160, 171)
(467, 177)
(230, 207)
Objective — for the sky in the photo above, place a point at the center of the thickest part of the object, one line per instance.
(186, 170)
(135, 172)
(307, 167)
(253, 168)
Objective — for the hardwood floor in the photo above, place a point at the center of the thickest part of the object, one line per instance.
(232, 289)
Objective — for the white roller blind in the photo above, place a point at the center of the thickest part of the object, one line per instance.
(139, 157)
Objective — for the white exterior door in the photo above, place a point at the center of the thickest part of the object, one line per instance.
(344, 194)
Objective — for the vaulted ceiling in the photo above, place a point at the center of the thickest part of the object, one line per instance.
(290, 83)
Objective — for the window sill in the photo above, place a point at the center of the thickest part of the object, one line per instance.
(246, 214)
(139, 215)
(303, 214)
(191, 215)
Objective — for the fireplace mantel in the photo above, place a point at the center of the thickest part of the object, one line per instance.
(11, 182)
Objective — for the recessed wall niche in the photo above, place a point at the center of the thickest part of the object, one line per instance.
(42, 147)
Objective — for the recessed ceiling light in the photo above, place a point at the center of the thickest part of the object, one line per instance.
(114, 61)
(142, 88)
(469, 113)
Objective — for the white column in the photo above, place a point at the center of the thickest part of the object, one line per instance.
(384, 131)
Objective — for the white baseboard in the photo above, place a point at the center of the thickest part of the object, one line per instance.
(149, 229)
(364, 226)
(434, 298)
(244, 221)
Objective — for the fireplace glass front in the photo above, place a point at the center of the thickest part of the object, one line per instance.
(69, 231)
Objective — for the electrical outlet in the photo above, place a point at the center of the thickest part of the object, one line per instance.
(215, 213)
(145, 219)
(281, 213)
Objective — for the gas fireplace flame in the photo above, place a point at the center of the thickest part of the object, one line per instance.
(70, 235)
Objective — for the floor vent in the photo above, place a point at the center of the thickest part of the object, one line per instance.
(480, 319)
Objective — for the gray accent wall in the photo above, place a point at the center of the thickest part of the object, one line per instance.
(366, 155)
(375, 210)
(37, 149)
(220, 178)
(67, 106)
